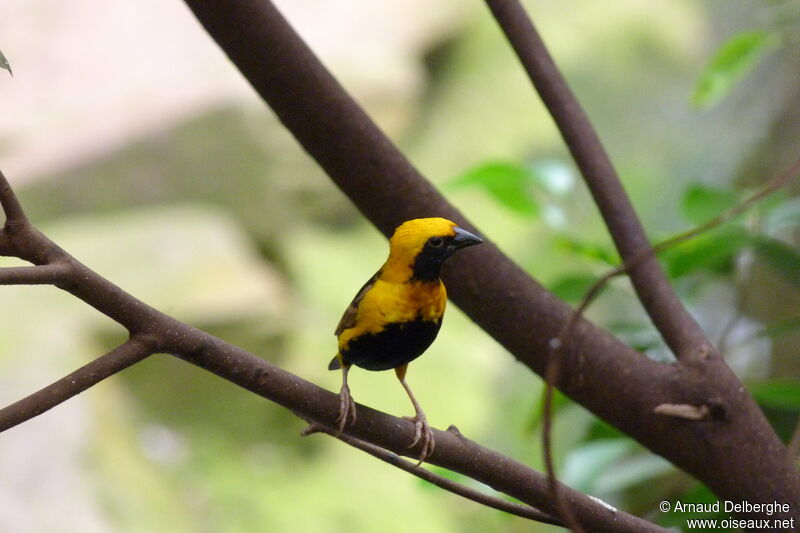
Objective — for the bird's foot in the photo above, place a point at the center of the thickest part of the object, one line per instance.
(423, 435)
(347, 410)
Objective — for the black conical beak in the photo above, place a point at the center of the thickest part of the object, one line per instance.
(464, 238)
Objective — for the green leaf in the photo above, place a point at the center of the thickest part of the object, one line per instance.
(572, 288)
(702, 203)
(508, 183)
(4, 63)
(710, 252)
(597, 252)
(779, 393)
(734, 59)
(600, 430)
(780, 256)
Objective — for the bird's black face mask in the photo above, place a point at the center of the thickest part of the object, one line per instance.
(437, 249)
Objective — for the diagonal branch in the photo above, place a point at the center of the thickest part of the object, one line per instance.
(677, 327)
(779, 181)
(598, 371)
(153, 331)
(453, 451)
(524, 511)
(602, 373)
(553, 367)
(120, 358)
(11, 206)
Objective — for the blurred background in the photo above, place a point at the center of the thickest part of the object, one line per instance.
(136, 146)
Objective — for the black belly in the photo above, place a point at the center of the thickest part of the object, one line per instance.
(398, 344)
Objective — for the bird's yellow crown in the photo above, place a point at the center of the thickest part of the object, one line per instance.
(408, 240)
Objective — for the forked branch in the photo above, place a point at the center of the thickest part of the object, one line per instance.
(152, 331)
(609, 378)
(677, 327)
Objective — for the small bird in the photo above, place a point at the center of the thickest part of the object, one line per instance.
(397, 313)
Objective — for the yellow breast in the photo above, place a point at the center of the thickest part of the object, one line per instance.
(389, 302)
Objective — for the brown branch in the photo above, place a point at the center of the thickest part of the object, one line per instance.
(10, 204)
(553, 363)
(678, 328)
(517, 509)
(565, 510)
(453, 451)
(120, 358)
(794, 443)
(609, 378)
(153, 331)
(49, 274)
(600, 372)
(593, 291)
(675, 324)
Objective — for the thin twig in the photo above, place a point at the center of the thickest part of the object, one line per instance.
(453, 451)
(49, 274)
(120, 358)
(550, 378)
(518, 509)
(771, 186)
(11, 206)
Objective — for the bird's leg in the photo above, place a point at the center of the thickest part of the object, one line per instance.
(423, 434)
(347, 407)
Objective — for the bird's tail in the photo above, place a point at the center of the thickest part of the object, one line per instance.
(336, 362)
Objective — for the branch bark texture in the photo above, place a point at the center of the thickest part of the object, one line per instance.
(609, 378)
(679, 330)
(152, 331)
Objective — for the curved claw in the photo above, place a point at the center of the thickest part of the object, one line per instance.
(423, 435)
(347, 410)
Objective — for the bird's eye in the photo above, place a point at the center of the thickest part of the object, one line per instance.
(436, 242)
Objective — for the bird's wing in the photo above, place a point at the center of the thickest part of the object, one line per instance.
(349, 317)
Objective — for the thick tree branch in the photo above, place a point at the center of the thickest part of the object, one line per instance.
(153, 331)
(678, 328)
(598, 371)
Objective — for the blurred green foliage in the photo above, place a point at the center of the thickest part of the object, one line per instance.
(611, 465)
(702, 203)
(507, 183)
(223, 222)
(735, 59)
